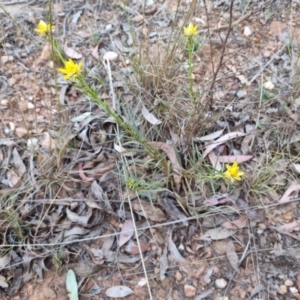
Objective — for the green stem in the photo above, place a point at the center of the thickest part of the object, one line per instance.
(190, 64)
(119, 120)
(81, 84)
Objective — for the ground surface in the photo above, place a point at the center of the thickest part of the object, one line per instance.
(71, 200)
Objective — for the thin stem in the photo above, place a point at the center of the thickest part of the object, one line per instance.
(190, 63)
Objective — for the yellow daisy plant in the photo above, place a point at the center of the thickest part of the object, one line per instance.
(233, 172)
(43, 28)
(190, 30)
(71, 69)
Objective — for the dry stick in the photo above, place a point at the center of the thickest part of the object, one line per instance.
(140, 249)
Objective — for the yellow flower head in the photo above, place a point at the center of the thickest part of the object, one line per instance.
(233, 172)
(71, 69)
(43, 28)
(190, 30)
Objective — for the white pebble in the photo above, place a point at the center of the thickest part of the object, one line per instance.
(142, 282)
(221, 283)
(289, 282)
(269, 85)
(4, 102)
(30, 105)
(110, 55)
(189, 291)
(6, 58)
(247, 31)
(293, 290)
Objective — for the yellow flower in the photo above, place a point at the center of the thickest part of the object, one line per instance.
(71, 70)
(190, 30)
(43, 28)
(233, 172)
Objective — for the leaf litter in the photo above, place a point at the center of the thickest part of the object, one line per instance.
(68, 186)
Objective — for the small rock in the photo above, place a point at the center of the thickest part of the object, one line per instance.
(247, 31)
(262, 226)
(178, 276)
(267, 54)
(110, 55)
(30, 105)
(221, 283)
(21, 132)
(138, 19)
(4, 102)
(293, 290)
(283, 289)
(142, 282)
(189, 290)
(289, 282)
(4, 59)
(269, 85)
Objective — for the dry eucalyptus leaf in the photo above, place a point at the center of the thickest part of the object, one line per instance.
(229, 159)
(72, 53)
(289, 194)
(232, 256)
(222, 140)
(217, 234)
(240, 223)
(174, 251)
(210, 137)
(150, 117)
(21, 169)
(289, 227)
(95, 52)
(216, 200)
(126, 232)
(119, 291)
(148, 210)
(82, 220)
